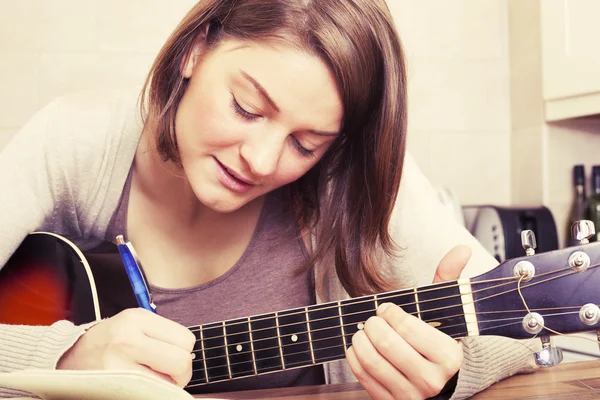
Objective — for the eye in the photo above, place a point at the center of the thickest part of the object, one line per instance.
(301, 149)
(241, 112)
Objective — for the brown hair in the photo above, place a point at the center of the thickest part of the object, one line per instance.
(349, 195)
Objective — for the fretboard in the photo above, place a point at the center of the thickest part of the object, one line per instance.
(311, 335)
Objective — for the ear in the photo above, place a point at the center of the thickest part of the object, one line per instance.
(198, 49)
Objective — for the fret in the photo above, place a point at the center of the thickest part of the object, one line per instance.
(294, 339)
(252, 347)
(215, 356)
(203, 355)
(405, 299)
(417, 305)
(226, 350)
(376, 302)
(441, 307)
(327, 333)
(199, 373)
(355, 313)
(267, 350)
(239, 350)
(312, 352)
(342, 324)
(279, 342)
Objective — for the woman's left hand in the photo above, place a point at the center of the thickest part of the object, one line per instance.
(398, 356)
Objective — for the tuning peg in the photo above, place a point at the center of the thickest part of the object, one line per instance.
(528, 242)
(550, 355)
(582, 231)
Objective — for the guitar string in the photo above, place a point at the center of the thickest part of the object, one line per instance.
(597, 341)
(221, 347)
(519, 319)
(350, 334)
(308, 362)
(381, 297)
(518, 289)
(220, 327)
(370, 311)
(298, 343)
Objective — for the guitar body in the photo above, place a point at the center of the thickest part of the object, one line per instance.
(49, 279)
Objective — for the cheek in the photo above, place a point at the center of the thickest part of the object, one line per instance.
(291, 170)
(205, 126)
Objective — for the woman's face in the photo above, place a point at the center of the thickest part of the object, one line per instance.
(254, 118)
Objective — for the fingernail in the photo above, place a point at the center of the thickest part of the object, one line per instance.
(382, 308)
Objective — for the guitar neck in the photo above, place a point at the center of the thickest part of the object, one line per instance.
(316, 334)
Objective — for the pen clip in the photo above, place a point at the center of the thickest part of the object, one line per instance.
(138, 264)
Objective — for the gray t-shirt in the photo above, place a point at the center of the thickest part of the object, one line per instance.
(254, 285)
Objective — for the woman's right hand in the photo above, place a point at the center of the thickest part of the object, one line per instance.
(135, 339)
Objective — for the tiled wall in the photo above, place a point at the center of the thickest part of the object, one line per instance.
(48, 48)
(459, 112)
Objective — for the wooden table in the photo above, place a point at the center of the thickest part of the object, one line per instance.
(579, 381)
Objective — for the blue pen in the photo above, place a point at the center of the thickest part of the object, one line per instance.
(136, 275)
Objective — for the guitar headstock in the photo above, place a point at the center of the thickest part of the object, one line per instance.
(560, 288)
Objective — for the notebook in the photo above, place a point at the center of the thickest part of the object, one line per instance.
(93, 385)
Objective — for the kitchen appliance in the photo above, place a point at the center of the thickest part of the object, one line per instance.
(499, 229)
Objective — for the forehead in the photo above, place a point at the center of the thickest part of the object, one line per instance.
(296, 80)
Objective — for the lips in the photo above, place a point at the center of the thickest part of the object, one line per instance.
(235, 175)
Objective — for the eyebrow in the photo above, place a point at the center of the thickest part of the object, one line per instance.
(263, 92)
(321, 133)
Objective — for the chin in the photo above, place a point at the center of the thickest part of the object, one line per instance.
(224, 205)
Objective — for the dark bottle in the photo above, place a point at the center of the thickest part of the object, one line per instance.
(578, 208)
(593, 203)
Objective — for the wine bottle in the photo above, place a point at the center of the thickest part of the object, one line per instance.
(578, 207)
(593, 203)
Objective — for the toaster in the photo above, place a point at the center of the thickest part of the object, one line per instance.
(499, 229)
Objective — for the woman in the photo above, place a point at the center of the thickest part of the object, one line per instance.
(270, 153)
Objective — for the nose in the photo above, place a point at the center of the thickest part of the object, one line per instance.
(262, 153)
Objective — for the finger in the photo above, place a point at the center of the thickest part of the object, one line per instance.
(446, 351)
(381, 369)
(370, 384)
(164, 358)
(164, 330)
(428, 377)
(418, 370)
(452, 264)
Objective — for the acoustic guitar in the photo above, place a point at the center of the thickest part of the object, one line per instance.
(49, 279)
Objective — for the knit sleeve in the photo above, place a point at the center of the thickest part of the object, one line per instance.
(39, 347)
(489, 359)
(28, 194)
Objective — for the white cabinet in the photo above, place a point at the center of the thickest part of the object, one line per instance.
(570, 33)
